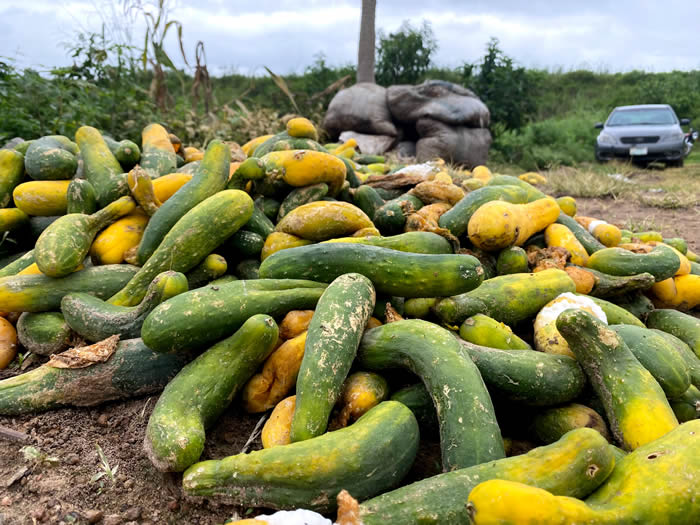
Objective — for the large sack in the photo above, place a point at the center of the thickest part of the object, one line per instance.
(457, 144)
(369, 144)
(438, 100)
(360, 108)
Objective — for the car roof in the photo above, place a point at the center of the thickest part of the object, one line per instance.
(643, 106)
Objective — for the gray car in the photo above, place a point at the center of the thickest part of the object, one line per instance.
(645, 133)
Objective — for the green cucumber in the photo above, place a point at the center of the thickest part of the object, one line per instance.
(606, 285)
(366, 458)
(418, 400)
(412, 242)
(635, 405)
(350, 176)
(300, 196)
(63, 246)
(457, 218)
(662, 262)
(506, 298)
(687, 406)
(533, 193)
(685, 327)
(590, 243)
(244, 244)
(390, 219)
(101, 169)
(527, 376)
(190, 240)
(95, 319)
(270, 207)
(11, 174)
(18, 264)
(260, 224)
(392, 272)
(551, 424)
(51, 158)
(678, 243)
(691, 360)
(658, 356)
(126, 152)
(469, 433)
(40, 293)
(512, 260)
(22, 146)
(81, 197)
(200, 317)
(132, 371)
(368, 200)
(573, 466)
(635, 303)
(156, 159)
(202, 391)
(615, 314)
(333, 336)
(210, 178)
(44, 333)
(212, 267)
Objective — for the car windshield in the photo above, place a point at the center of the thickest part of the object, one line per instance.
(640, 117)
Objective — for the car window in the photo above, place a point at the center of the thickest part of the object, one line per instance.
(637, 117)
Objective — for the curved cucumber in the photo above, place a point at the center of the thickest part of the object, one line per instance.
(367, 458)
(193, 237)
(685, 327)
(102, 170)
(662, 262)
(210, 177)
(202, 391)
(331, 344)
(469, 433)
(95, 319)
(573, 466)
(392, 272)
(590, 243)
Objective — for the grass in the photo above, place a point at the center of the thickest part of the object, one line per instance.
(654, 186)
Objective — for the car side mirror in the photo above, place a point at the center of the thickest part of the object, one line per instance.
(685, 122)
(598, 125)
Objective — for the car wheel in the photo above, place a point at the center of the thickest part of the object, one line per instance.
(599, 158)
(675, 163)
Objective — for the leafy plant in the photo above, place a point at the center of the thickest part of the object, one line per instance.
(404, 57)
(105, 468)
(38, 458)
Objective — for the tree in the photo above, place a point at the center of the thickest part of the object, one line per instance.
(505, 88)
(405, 56)
(365, 50)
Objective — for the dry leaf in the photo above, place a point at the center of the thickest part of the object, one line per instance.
(84, 356)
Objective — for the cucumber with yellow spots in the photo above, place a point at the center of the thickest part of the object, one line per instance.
(205, 315)
(321, 220)
(300, 196)
(367, 458)
(202, 391)
(635, 405)
(506, 298)
(81, 197)
(573, 466)
(62, 247)
(11, 174)
(482, 330)
(684, 326)
(331, 344)
(158, 156)
(19, 264)
(654, 485)
(51, 158)
(469, 433)
(191, 239)
(392, 272)
(101, 169)
(212, 267)
(39, 293)
(662, 262)
(413, 242)
(95, 320)
(210, 178)
(551, 424)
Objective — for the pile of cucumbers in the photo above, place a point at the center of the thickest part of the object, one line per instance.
(367, 308)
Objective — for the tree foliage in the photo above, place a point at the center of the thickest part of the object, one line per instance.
(405, 56)
(505, 88)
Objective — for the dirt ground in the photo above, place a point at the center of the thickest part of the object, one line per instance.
(36, 492)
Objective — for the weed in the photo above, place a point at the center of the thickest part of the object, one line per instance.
(38, 458)
(105, 470)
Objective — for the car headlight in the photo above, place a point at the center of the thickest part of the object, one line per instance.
(676, 135)
(604, 138)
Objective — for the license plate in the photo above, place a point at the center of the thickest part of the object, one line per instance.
(638, 151)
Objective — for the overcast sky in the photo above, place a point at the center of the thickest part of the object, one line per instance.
(285, 35)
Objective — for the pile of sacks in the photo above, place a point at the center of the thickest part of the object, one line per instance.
(433, 119)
